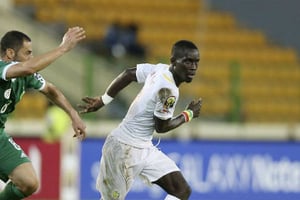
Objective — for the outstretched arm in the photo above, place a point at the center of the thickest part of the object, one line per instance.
(93, 104)
(57, 97)
(192, 111)
(35, 64)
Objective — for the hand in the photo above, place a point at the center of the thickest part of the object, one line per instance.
(195, 106)
(72, 37)
(92, 104)
(78, 127)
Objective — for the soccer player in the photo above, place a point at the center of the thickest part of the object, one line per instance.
(128, 151)
(18, 72)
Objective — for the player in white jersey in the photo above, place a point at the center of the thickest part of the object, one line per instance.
(128, 151)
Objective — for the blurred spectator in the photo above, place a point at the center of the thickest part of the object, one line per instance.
(112, 35)
(128, 38)
(122, 40)
(119, 41)
(114, 39)
(58, 123)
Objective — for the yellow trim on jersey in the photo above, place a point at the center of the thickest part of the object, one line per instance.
(168, 78)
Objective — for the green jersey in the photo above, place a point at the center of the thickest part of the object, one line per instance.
(12, 90)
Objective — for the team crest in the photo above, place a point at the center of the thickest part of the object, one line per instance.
(7, 93)
(169, 103)
(166, 98)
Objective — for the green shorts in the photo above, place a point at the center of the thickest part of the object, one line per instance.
(11, 155)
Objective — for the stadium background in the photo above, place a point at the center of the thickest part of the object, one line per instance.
(245, 144)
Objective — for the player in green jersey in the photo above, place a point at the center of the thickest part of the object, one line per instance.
(19, 72)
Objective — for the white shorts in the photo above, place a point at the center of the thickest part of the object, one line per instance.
(121, 163)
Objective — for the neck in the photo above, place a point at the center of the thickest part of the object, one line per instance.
(176, 79)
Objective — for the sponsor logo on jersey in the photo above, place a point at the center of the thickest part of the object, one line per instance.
(39, 77)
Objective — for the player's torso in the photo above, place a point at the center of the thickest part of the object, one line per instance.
(138, 125)
(11, 91)
(141, 112)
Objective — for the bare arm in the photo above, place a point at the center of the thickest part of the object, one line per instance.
(57, 97)
(35, 64)
(93, 104)
(123, 80)
(163, 126)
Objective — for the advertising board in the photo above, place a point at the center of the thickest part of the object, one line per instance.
(215, 170)
(45, 158)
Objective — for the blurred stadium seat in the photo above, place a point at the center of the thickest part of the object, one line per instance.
(32, 106)
(268, 74)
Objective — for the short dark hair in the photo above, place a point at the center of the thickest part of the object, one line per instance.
(14, 40)
(180, 47)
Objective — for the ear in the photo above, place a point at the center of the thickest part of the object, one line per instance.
(10, 53)
(172, 60)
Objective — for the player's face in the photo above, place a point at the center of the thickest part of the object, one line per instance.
(24, 53)
(187, 66)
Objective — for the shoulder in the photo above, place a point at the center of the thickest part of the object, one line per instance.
(4, 66)
(145, 70)
(152, 67)
(164, 74)
(164, 83)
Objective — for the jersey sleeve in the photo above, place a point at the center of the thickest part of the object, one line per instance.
(166, 99)
(3, 69)
(35, 81)
(142, 71)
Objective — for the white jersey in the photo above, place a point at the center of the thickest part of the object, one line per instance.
(137, 127)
